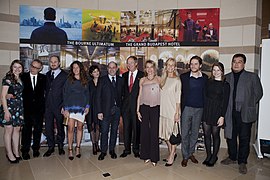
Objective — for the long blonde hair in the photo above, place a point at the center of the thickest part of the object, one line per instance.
(165, 72)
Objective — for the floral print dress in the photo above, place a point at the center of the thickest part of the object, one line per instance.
(15, 104)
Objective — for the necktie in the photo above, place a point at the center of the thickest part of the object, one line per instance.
(52, 76)
(34, 82)
(113, 82)
(131, 82)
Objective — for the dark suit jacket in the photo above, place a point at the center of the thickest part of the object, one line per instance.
(49, 33)
(105, 96)
(34, 100)
(54, 90)
(130, 98)
(185, 87)
(248, 93)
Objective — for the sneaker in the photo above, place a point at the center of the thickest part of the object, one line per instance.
(242, 168)
(227, 161)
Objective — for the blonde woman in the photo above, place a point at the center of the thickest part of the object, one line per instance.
(169, 106)
(148, 113)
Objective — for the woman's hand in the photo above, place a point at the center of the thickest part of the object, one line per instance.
(139, 116)
(66, 113)
(7, 115)
(220, 121)
(86, 111)
(176, 117)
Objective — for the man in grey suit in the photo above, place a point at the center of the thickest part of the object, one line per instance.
(246, 91)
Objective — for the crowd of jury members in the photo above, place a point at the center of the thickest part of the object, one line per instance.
(151, 107)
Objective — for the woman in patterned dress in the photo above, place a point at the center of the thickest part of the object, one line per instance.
(12, 117)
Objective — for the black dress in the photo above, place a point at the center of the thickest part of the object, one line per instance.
(91, 117)
(215, 101)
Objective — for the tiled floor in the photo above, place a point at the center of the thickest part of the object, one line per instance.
(88, 167)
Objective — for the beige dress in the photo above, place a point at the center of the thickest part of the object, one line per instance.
(170, 95)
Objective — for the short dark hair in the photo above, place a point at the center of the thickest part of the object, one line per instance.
(50, 14)
(196, 57)
(92, 68)
(58, 58)
(38, 61)
(113, 63)
(240, 55)
(134, 58)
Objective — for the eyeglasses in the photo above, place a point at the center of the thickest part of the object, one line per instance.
(38, 68)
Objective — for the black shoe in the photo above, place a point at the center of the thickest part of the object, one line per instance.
(61, 151)
(70, 156)
(12, 161)
(137, 155)
(124, 154)
(101, 156)
(36, 153)
(211, 163)
(19, 158)
(25, 156)
(206, 161)
(49, 152)
(167, 164)
(113, 154)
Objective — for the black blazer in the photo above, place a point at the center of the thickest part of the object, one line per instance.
(54, 90)
(130, 98)
(105, 94)
(34, 100)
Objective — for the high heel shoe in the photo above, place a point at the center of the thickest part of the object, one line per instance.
(146, 161)
(97, 147)
(12, 161)
(78, 153)
(94, 146)
(70, 157)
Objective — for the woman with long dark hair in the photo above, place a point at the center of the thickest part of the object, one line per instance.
(76, 104)
(12, 117)
(216, 101)
(91, 118)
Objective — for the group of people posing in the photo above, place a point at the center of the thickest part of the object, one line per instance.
(151, 107)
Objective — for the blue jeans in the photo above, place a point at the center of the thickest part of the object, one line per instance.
(190, 124)
(107, 122)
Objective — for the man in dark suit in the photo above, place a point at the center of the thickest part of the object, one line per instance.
(56, 79)
(109, 100)
(49, 33)
(34, 107)
(246, 92)
(130, 94)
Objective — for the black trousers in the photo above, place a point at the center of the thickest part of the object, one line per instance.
(149, 133)
(50, 116)
(242, 131)
(131, 131)
(33, 124)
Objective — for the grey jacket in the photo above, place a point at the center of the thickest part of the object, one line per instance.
(249, 92)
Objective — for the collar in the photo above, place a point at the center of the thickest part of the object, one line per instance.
(200, 74)
(110, 77)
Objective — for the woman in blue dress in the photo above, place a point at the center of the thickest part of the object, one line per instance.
(76, 104)
(12, 105)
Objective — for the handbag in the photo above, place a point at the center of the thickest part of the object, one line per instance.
(176, 139)
(65, 121)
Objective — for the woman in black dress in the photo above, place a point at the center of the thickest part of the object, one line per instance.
(12, 105)
(215, 106)
(91, 118)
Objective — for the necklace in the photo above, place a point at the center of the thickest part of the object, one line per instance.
(150, 79)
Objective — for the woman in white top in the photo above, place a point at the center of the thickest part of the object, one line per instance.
(169, 106)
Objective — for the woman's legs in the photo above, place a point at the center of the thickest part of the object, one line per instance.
(16, 141)
(71, 124)
(8, 130)
(79, 137)
(169, 148)
(207, 141)
(216, 143)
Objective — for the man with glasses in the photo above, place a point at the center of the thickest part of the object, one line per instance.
(34, 104)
